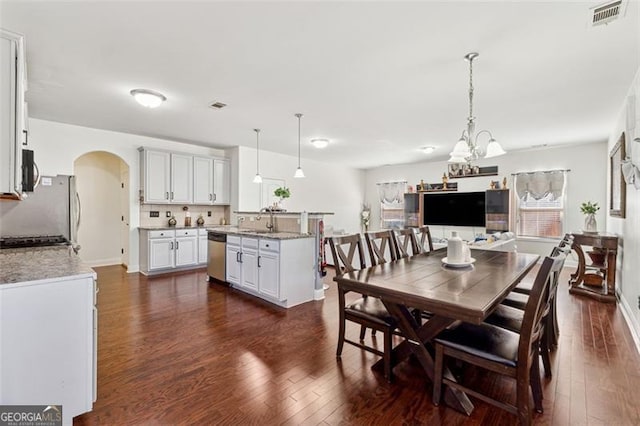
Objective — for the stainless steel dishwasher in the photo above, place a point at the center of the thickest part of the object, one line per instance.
(217, 248)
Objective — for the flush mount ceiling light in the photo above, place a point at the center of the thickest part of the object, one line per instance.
(148, 98)
(320, 143)
(257, 178)
(299, 173)
(467, 148)
(428, 149)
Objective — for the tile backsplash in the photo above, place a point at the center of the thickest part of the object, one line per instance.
(218, 213)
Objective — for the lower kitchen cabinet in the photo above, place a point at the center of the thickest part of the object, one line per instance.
(279, 271)
(170, 249)
(48, 344)
(203, 246)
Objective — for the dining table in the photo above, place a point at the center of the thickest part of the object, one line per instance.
(424, 282)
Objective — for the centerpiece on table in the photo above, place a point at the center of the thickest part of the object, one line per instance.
(590, 209)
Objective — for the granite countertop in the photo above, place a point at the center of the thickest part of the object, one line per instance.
(40, 264)
(161, 227)
(234, 230)
(284, 213)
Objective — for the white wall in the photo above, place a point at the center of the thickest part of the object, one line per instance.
(326, 187)
(98, 186)
(586, 181)
(627, 281)
(56, 146)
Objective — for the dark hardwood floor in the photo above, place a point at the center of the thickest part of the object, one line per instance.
(177, 350)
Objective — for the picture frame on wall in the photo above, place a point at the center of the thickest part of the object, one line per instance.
(455, 170)
(618, 189)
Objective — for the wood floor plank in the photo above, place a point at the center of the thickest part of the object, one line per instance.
(176, 350)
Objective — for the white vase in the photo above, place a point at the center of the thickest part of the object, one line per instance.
(454, 249)
(590, 224)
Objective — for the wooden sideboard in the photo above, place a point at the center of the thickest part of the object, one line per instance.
(604, 291)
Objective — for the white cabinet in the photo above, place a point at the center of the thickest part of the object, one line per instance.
(202, 180)
(279, 271)
(181, 179)
(269, 273)
(221, 181)
(161, 255)
(48, 343)
(175, 178)
(12, 112)
(156, 176)
(163, 250)
(233, 263)
(203, 246)
(186, 248)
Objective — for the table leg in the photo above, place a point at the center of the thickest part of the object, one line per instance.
(578, 276)
(417, 340)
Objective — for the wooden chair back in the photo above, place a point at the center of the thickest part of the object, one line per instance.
(536, 308)
(382, 246)
(425, 238)
(343, 261)
(406, 239)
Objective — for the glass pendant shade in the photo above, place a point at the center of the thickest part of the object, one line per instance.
(460, 152)
(494, 149)
(257, 178)
(299, 173)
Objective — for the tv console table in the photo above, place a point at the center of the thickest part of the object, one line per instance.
(605, 292)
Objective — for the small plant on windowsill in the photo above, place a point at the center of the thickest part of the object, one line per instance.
(590, 209)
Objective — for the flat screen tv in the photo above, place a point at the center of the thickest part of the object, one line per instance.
(454, 209)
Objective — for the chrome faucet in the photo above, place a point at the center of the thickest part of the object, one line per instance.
(270, 226)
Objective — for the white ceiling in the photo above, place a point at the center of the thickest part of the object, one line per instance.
(379, 79)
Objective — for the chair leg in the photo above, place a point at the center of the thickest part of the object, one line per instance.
(437, 374)
(536, 385)
(363, 331)
(522, 398)
(388, 341)
(544, 352)
(341, 326)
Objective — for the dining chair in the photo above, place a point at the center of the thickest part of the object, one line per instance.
(367, 311)
(382, 246)
(425, 238)
(406, 243)
(502, 351)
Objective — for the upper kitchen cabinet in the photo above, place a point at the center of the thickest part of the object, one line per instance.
(155, 176)
(12, 112)
(181, 179)
(210, 180)
(177, 178)
(221, 179)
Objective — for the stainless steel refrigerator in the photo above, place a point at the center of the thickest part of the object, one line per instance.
(53, 208)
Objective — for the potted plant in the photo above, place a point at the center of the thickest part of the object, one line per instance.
(282, 193)
(590, 209)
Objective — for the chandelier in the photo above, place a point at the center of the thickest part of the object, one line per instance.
(467, 148)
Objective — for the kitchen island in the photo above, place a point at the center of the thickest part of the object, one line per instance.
(279, 267)
(48, 330)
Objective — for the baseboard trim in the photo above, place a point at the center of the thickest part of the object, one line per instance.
(104, 262)
(630, 319)
(318, 294)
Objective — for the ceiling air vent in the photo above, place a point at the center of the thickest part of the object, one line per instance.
(217, 105)
(607, 12)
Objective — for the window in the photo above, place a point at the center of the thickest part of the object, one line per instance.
(540, 202)
(392, 204)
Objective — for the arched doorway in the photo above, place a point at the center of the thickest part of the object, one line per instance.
(102, 182)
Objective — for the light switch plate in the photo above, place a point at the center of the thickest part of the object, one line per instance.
(168, 214)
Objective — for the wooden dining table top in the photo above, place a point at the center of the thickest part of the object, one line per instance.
(469, 294)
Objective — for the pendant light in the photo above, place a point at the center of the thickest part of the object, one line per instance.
(257, 178)
(299, 173)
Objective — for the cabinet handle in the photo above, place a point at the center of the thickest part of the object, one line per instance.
(172, 195)
(240, 257)
(166, 195)
(171, 247)
(177, 246)
(259, 261)
(215, 197)
(26, 138)
(210, 197)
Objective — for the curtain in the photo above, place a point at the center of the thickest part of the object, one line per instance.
(540, 185)
(392, 192)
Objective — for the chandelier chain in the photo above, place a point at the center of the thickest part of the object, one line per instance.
(470, 89)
